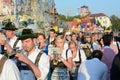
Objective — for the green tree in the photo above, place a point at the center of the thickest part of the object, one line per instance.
(115, 23)
(69, 18)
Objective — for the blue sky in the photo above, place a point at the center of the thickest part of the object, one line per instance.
(109, 7)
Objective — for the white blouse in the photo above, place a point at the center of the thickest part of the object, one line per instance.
(10, 71)
(83, 56)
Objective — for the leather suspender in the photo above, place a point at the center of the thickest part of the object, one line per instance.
(79, 55)
(2, 61)
(38, 58)
(36, 62)
(15, 44)
(26, 67)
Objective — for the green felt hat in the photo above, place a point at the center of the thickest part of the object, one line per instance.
(10, 26)
(26, 33)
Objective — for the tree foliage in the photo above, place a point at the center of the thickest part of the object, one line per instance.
(67, 18)
(115, 23)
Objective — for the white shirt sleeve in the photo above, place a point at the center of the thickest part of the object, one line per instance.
(83, 56)
(44, 66)
(95, 46)
(69, 54)
(19, 44)
(10, 71)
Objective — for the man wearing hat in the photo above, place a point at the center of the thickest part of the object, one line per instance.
(35, 63)
(8, 70)
(11, 37)
(3, 44)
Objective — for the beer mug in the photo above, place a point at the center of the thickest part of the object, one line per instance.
(55, 59)
(87, 50)
(14, 52)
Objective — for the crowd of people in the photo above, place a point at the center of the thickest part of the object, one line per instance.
(83, 55)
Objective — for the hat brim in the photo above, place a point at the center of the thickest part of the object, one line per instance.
(9, 28)
(23, 37)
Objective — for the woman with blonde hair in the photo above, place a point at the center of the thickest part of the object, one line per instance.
(78, 56)
(61, 70)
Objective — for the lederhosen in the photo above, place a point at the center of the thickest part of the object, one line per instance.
(26, 70)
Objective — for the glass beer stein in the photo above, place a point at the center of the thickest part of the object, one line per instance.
(55, 59)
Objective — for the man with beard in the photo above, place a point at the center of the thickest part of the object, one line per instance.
(34, 65)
